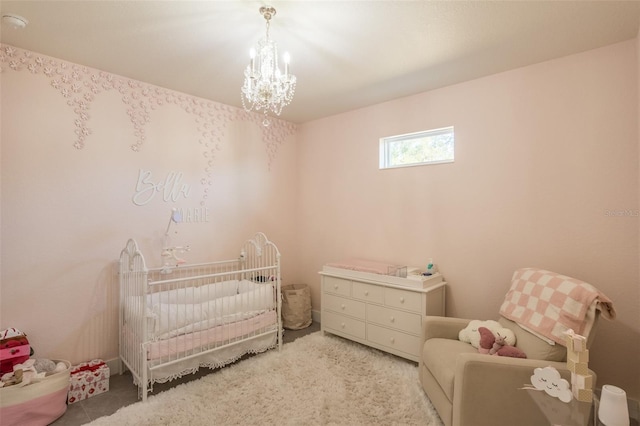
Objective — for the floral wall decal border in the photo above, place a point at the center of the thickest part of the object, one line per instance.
(80, 85)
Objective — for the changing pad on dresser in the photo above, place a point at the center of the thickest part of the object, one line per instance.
(381, 272)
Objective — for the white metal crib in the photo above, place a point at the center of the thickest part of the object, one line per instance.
(172, 322)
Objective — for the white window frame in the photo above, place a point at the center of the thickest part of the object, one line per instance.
(385, 143)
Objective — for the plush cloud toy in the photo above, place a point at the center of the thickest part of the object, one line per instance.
(548, 379)
(470, 333)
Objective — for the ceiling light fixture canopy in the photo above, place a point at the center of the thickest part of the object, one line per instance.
(14, 21)
(266, 88)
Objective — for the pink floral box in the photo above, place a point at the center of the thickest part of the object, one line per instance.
(88, 379)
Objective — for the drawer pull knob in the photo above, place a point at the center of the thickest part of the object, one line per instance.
(402, 300)
(335, 286)
(366, 293)
(392, 319)
(393, 340)
(342, 306)
(342, 325)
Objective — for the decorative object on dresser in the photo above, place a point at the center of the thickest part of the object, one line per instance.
(203, 315)
(363, 303)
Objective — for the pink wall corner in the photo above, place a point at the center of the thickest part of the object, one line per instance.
(637, 307)
(545, 157)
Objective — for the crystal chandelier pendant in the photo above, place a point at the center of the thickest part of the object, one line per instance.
(266, 88)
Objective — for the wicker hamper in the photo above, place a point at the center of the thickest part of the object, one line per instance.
(37, 403)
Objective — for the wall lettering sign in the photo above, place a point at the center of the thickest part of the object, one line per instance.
(171, 187)
(195, 214)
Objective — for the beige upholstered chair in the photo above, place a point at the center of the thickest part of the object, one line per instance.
(472, 389)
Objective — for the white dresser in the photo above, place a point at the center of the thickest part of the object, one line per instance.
(381, 311)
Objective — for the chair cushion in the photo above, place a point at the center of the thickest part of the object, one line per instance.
(439, 357)
(533, 346)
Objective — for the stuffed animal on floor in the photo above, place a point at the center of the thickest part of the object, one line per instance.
(495, 344)
(470, 333)
(26, 372)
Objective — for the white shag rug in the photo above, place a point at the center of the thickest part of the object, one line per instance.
(315, 380)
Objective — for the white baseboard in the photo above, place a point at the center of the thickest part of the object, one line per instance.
(316, 316)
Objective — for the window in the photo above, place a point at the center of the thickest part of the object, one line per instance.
(415, 149)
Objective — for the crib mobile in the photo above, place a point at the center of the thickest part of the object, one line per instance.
(170, 253)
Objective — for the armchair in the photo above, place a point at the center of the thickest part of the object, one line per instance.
(472, 389)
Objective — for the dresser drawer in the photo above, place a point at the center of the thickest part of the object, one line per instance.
(368, 292)
(409, 300)
(400, 320)
(394, 339)
(340, 323)
(337, 286)
(343, 306)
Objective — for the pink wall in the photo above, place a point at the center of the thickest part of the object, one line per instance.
(544, 155)
(67, 212)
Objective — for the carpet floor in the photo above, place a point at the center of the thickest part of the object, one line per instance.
(316, 380)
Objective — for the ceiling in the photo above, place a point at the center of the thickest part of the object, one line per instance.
(345, 54)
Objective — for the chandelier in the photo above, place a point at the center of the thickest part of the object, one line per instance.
(266, 88)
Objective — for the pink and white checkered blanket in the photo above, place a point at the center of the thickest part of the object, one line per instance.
(549, 304)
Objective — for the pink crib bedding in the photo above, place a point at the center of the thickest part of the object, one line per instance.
(211, 336)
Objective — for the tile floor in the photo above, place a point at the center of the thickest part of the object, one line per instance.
(122, 392)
